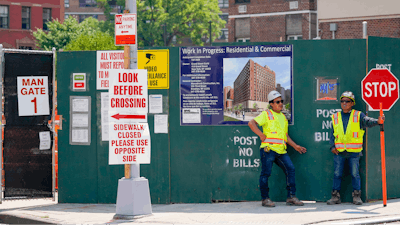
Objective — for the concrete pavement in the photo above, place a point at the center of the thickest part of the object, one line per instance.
(47, 211)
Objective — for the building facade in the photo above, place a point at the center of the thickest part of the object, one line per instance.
(272, 20)
(228, 98)
(339, 22)
(253, 85)
(82, 9)
(18, 19)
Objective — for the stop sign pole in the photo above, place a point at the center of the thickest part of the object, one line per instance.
(380, 90)
(383, 161)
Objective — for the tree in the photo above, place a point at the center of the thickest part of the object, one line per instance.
(61, 34)
(255, 106)
(287, 106)
(159, 21)
(240, 107)
(235, 108)
(94, 41)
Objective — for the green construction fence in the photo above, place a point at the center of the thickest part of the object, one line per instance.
(193, 164)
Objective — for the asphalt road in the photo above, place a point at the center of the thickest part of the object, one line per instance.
(6, 219)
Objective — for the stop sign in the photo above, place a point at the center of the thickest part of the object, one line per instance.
(380, 86)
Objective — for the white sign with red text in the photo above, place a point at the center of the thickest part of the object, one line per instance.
(128, 96)
(107, 61)
(129, 143)
(125, 29)
(33, 95)
(129, 140)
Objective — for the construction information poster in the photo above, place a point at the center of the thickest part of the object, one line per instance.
(156, 62)
(229, 85)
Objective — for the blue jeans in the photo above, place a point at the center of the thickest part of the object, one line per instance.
(284, 162)
(354, 162)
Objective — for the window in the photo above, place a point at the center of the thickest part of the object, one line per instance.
(83, 17)
(224, 34)
(26, 18)
(243, 40)
(87, 3)
(46, 17)
(242, 1)
(66, 3)
(224, 17)
(295, 37)
(25, 47)
(223, 3)
(4, 16)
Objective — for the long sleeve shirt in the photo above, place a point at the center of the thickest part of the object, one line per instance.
(365, 122)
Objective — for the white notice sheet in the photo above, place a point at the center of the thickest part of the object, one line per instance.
(155, 104)
(104, 116)
(161, 123)
(80, 135)
(80, 105)
(80, 120)
(44, 140)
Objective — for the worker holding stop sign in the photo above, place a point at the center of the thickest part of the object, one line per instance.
(346, 141)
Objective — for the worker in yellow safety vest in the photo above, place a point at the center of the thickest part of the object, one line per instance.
(274, 138)
(346, 141)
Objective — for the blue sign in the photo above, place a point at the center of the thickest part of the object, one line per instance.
(229, 85)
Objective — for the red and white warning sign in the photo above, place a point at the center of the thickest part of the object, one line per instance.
(107, 61)
(129, 140)
(129, 143)
(33, 95)
(125, 29)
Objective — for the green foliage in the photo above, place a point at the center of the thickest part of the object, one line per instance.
(287, 106)
(240, 107)
(61, 34)
(159, 21)
(95, 41)
(255, 105)
(235, 108)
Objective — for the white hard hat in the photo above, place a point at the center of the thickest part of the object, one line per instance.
(348, 94)
(273, 95)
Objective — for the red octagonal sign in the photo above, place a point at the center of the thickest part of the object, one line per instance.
(380, 85)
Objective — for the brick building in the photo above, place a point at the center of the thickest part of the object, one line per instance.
(18, 19)
(82, 9)
(253, 85)
(228, 98)
(338, 22)
(272, 20)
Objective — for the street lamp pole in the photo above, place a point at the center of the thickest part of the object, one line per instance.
(210, 33)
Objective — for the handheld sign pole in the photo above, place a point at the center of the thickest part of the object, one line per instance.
(383, 162)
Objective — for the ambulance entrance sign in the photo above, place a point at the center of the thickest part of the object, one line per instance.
(129, 141)
(125, 29)
(33, 95)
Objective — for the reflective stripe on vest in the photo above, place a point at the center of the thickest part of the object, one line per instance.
(355, 116)
(270, 115)
(335, 118)
(348, 146)
(274, 141)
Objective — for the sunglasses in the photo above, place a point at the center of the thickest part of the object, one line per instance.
(345, 101)
(277, 102)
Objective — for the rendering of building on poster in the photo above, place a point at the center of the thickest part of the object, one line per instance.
(229, 85)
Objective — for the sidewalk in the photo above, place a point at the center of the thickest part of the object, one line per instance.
(45, 210)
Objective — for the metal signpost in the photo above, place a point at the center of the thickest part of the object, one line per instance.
(132, 147)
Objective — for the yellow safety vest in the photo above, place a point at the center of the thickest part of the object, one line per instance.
(275, 133)
(352, 141)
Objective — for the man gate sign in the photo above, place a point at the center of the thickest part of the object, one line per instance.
(128, 107)
(380, 85)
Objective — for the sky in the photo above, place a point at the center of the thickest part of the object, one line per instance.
(281, 66)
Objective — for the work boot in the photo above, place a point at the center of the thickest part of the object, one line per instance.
(294, 201)
(335, 198)
(357, 197)
(267, 203)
